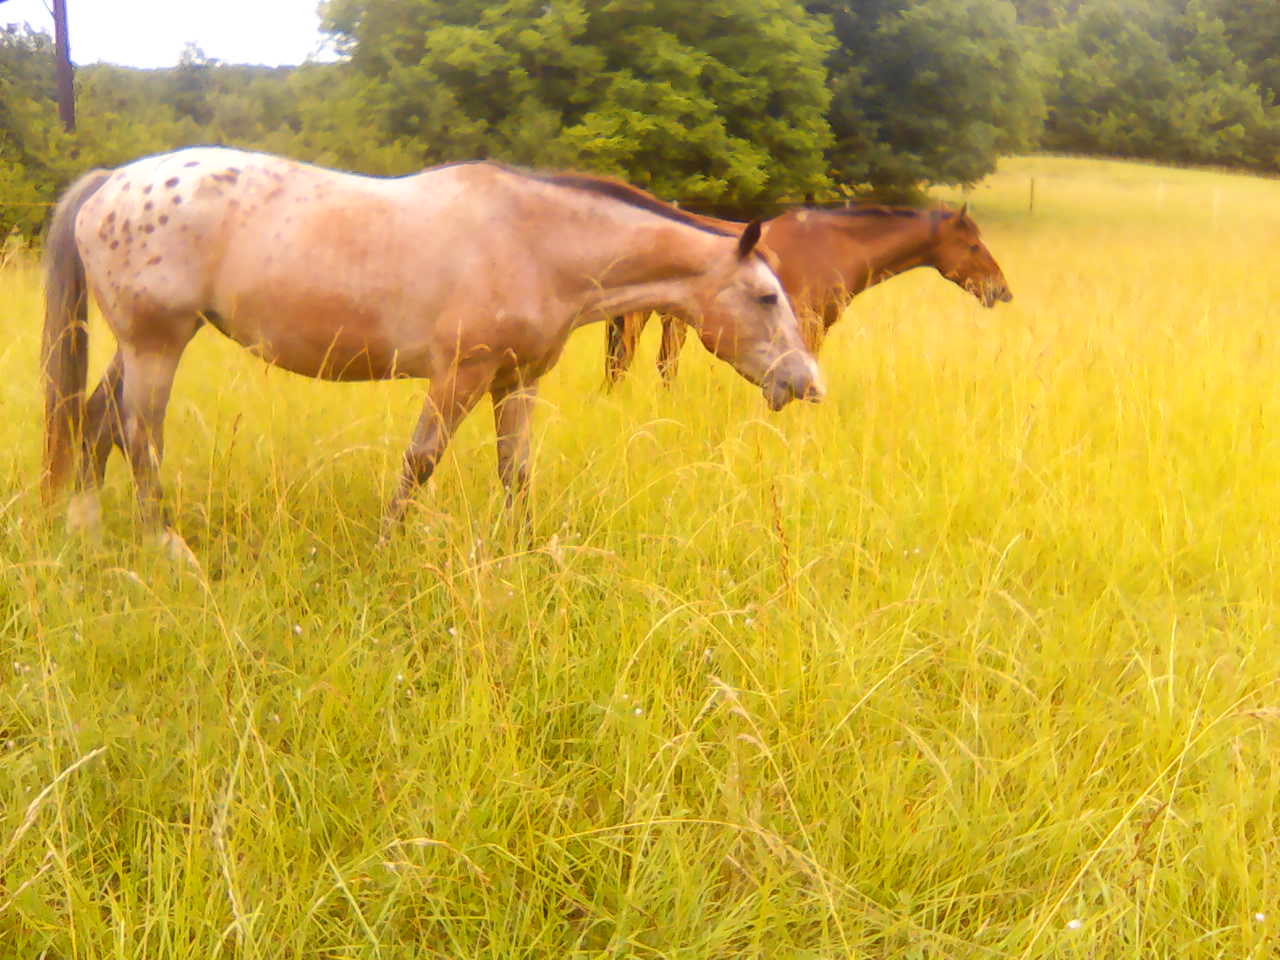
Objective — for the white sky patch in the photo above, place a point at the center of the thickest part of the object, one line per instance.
(152, 33)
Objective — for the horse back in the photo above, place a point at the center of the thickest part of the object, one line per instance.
(326, 273)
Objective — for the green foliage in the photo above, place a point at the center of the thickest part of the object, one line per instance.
(30, 138)
(928, 90)
(1253, 30)
(720, 102)
(1157, 80)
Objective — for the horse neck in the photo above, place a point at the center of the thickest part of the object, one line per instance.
(889, 246)
(631, 260)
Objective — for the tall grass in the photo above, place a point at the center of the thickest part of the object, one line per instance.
(976, 659)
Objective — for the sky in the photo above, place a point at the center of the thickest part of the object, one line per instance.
(152, 33)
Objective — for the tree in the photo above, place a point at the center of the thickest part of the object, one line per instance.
(1156, 80)
(722, 101)
(1253, 30)
(31, 143)
(928, 91)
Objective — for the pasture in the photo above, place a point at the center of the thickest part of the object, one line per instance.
(978, 658)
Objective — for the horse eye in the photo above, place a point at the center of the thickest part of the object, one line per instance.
(974, 248)
(769, 298)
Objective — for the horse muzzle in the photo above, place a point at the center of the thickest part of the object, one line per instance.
(795, 377)
(996, 294)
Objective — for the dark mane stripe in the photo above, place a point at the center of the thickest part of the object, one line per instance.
(874, 210)
(626, 193)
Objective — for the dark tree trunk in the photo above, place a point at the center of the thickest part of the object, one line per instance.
(65, 71)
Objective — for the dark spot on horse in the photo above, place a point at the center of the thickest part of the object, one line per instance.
(176, 201)
(125, 187)
(126, 229)
(171, 182)
(154, 260)
(164, 218)
(148, 228)
(147, 205)
(192, 163)
(147, 188)
(114, 244)
(111, 217)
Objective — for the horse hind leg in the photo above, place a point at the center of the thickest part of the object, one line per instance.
(623, 334)
(103, 430)
(513, 404)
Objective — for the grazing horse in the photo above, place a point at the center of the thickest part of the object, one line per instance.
(470, 275)
(827, 257)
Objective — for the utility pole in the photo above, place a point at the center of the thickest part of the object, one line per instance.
(62, 64)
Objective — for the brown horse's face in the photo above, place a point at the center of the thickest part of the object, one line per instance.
(746, 320)
(961, 257)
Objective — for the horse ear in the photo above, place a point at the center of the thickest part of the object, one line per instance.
(750, 237)
(964, 208)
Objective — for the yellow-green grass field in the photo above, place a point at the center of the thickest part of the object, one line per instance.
(978, 658)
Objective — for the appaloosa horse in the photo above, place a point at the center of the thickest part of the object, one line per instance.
(471, 275)
(827, 257)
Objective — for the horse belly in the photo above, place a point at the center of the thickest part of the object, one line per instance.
(319, 332)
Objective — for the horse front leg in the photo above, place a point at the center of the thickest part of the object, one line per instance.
(449, 399)
(513, 404)
(145, 380)
(622, 333)
(673, 333)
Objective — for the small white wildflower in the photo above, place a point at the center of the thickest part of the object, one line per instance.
(1075, 924)
(1260, 917)
(749, 621)
(312, 552)
(638, 712)
(453, 631)
(399, 678)
(297, 629)
(274, 718)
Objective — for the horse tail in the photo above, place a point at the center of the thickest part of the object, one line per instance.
(64, 350)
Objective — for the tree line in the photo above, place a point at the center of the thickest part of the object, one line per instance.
(731, 106)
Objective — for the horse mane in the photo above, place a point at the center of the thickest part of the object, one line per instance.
(625, 193)
(877, 210)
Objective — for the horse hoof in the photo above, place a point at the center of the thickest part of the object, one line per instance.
(176, 549)
(84, 516)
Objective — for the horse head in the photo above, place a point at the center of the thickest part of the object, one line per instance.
(743, 317)
(960, 255)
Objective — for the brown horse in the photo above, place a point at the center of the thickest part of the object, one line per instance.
(827, 257)
(470, 275)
